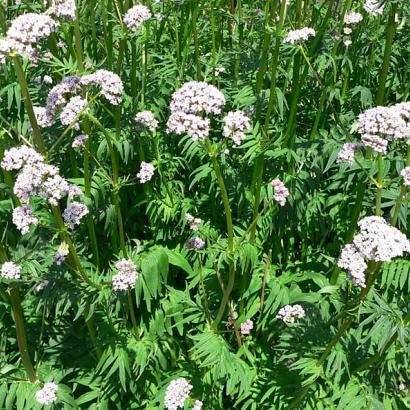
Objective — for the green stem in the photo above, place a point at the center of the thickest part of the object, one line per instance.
(115, 175)
(132, 314)
(229, 227)
(379, 184)
(390, 30)
(78, 45)
(29, 105)
(21, 334)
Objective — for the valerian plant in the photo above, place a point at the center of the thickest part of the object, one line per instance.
(204, 204)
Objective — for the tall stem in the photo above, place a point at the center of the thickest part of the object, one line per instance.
(21, 334)
(229, 227)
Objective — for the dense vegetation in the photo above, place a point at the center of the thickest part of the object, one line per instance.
(204, 204)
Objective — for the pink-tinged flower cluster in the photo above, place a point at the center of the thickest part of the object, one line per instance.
(146, 119)
(177, 393)
(63, 8)
(48, 394)
(376, 241)
(352, 18)
(127, 275)
(246, 327)
(290, 313)
(111, 87)
(136, 16)
(24, 33)
(79, 141)
(42, 118)
(57, 97)
(302, 34)
(73, 214)
(72, 111)
(377, 126)
(196, 127)
(374, 7)
(188, 103)
(280, 193)
(146, 172)
(195, 243)
(193, 222)
(236, 123)
(36, 178)
(405, 173)
(9, 270)
(196, 97)
(346, 154)
(23, 218)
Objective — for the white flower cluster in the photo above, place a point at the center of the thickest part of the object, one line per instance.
(36, 178)
(193, 125)
(302, 34)
(42, 285)
(377, 126)
(290, 313)
(73, 109)
(136, 16)
(280, 193)
(110, 84)
(79, 141)
(197, 405)
(352, 18)
(405, 173)
(9, 270)
(23, 218)
(374, 7)
(176, 394)
(146, 172)
(246, 327)
(74, 213)
(376, 241)
(193, 222)
(188, 103)
(346, 154)
(24, 33)
(195, 243)
(48, 394)
(126, 276)
(62, 97)
(235, 125)
(196, 97)
(146, 119)
(63, 8)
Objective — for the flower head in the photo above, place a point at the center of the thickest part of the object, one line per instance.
(74, 213)
(146, 172)
(79, 141)
(193, 222)
(196, 97)
(246, 327)
(63, 8)
(9, 270)
(352, 18)
(24, 218)
(146, 119)
(235, 125)
(176, 394)
(61, 254)
(136, 16)
(280, 191)
(302, 34)
(48, 394)
(195, 243)
(110, 84)
(290, 313)
(405, 173)
(126, 276)
(346, 154)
